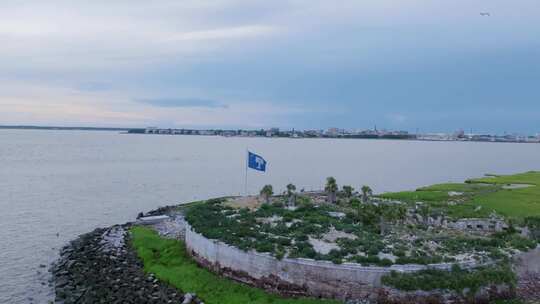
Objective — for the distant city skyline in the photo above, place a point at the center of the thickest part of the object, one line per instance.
(319, 131)
(435, 66)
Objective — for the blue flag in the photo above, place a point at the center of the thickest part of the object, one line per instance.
(256, 162)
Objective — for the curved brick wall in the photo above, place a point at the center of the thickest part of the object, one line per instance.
(292, 276)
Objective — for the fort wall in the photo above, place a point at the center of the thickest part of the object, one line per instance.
(293, 276)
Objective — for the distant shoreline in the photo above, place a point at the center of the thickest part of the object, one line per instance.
(227, 133)
(24, 127)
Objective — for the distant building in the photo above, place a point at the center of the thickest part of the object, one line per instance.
(207, 132)
(271, 132)
(151, 130)
(335, 132)
(313, 133)
(459, 134)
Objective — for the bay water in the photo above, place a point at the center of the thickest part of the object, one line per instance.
(55, 185)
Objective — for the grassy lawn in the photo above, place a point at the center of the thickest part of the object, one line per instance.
(480, 197)
(416, 196)
(168, 260)
(531, 177)
(463, 187)
(517, 203)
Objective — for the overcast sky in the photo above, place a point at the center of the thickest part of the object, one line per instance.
(435, 65)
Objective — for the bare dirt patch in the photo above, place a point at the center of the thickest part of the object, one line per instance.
(251, 202)
(321, 246)
(333, 235)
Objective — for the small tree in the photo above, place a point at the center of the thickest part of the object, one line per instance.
(291, 194)
(368, 213)
(425, 211)
(356, 204)
(390, 214)
(331, 189)
(385, 216)
(267, 192)
(366, 193)
(348, 191)
(401, 212)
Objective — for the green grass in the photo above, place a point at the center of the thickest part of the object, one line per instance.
(483, 196)
(168, 260)
(531, 177)
(515, 203)
(457, 187)
(416, 196)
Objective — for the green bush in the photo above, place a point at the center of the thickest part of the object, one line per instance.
(264, 246)
(283, 241)
(385, 262)
(457, 279)
(367, 260)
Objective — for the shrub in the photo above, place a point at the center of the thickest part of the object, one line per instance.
(264, 246)
(456, 279)
(280, 253)
(283, 241)
(301, 237)
(308, 252)
(419, 259)
(399, 253)
(368, 260)
(385, 262)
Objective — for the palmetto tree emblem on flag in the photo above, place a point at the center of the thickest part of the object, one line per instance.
(256, 162)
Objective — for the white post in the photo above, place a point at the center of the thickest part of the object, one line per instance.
(246, 181)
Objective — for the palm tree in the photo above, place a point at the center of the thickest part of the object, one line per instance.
(385, 215)
(348, 191)
(331, 188)
(366, 193)
(291, 195)
(267, 192)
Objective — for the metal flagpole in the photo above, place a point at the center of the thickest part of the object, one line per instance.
(246, 182)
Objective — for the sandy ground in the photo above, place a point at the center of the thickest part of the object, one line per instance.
(250, 202)
(328, 241)
(321, 246)
(333, 235)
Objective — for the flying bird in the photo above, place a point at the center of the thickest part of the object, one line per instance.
(485, 14)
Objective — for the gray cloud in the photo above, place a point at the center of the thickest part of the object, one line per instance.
(182, 102)
(386, 61)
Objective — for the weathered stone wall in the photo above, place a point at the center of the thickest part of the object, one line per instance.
(292, 276)
(528, 271)
(473, 224)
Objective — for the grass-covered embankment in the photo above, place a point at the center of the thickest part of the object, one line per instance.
(481, 197)
(517, 203)
(168, 260)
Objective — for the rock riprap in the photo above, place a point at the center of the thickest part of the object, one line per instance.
(100, 267)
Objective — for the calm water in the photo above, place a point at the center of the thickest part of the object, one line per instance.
(69, 182)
